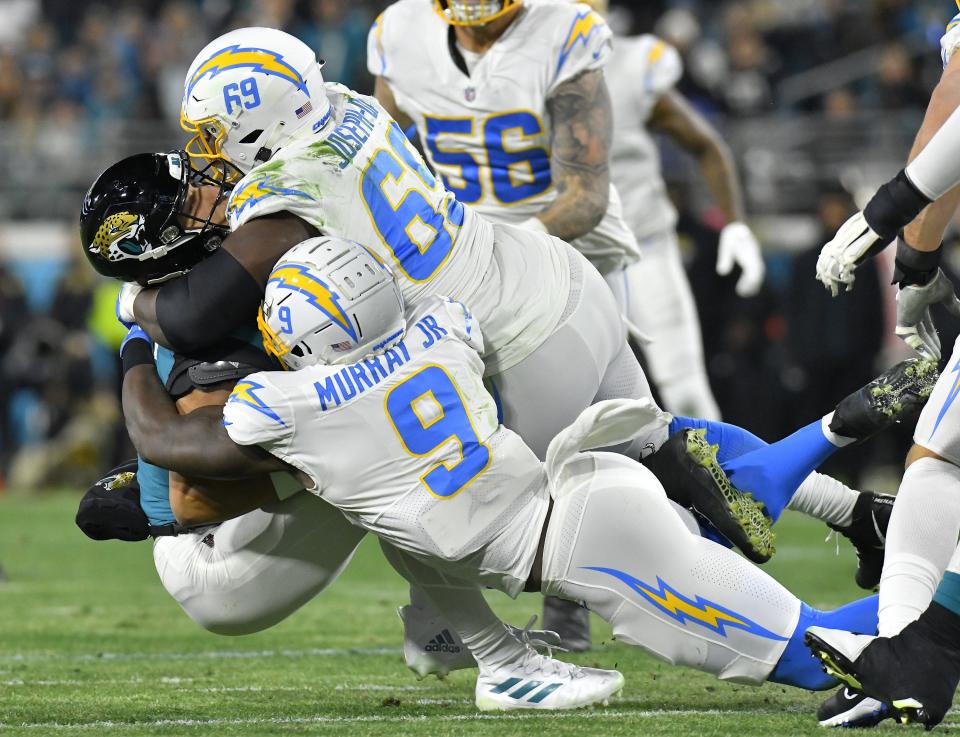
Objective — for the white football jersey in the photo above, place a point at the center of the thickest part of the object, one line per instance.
(950, 40)
(408, 445)
(488, 133)
(362, 180)
(641, 70)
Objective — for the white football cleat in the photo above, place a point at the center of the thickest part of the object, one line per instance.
(430, 647)
(540, 682)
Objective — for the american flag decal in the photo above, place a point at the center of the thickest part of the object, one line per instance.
(305, 110)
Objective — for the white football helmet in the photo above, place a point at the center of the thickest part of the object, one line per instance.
(248, 92)
(330, 301)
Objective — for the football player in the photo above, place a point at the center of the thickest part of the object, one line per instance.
(545, 149)
(240, 574)
(423, 463)
(323, 158)
(510, 100)
(915, 665)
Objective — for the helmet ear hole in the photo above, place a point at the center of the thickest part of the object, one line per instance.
(297, 350)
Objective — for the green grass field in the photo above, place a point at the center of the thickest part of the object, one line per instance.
(90, 643)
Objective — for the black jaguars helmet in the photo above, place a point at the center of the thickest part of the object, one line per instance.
(133, 226)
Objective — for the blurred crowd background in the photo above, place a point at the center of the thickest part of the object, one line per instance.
(818, 98)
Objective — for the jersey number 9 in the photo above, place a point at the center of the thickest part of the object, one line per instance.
(428, 413)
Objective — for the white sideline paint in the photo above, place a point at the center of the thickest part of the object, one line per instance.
(598, 713)
(320, 652)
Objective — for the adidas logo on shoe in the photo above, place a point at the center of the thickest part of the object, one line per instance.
(443, 643)
(517, 688)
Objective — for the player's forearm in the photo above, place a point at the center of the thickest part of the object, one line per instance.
(720, 174)
(925, 232)
(195, 444)
(936, 169)
(582, 130)
(582, 201)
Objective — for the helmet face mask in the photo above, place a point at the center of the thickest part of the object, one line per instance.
(473, 12)
(134, 225)
(329, 301)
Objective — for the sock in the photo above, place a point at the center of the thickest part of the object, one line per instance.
(819, 496)
(921, 539)
(774, 472)
(461, 605)
(826, 499)
(948, 592)
(468, 614)
(941, 620)
(797, 666)
(838, 440)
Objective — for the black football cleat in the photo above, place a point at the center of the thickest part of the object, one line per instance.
(868, 534)
(851, 708)
(898, 394)
(913, 672)
(688, 468)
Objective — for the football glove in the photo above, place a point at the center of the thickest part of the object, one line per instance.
(914, 321)
(125, 300)
(739, 246)
(894, 206)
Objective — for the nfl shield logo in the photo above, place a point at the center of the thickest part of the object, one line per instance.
(470, 94)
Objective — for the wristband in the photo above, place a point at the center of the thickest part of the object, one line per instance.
(894, 206)
(914, 267)
(135, 352)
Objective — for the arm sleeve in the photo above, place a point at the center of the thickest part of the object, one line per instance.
(257, 413)
(936, 170)
(587, 44)
(206, 305)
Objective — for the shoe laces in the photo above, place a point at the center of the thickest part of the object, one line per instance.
(534, 662)
(538, 642)
(835, 534)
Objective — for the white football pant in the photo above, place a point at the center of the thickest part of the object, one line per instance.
(654, 295)
(616, 543)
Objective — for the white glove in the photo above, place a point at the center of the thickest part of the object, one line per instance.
(840, 256)
(914, 322)
(128, 293)
(739, 246)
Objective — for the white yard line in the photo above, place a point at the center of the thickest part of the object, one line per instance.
(321, 652)
(592, 714)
